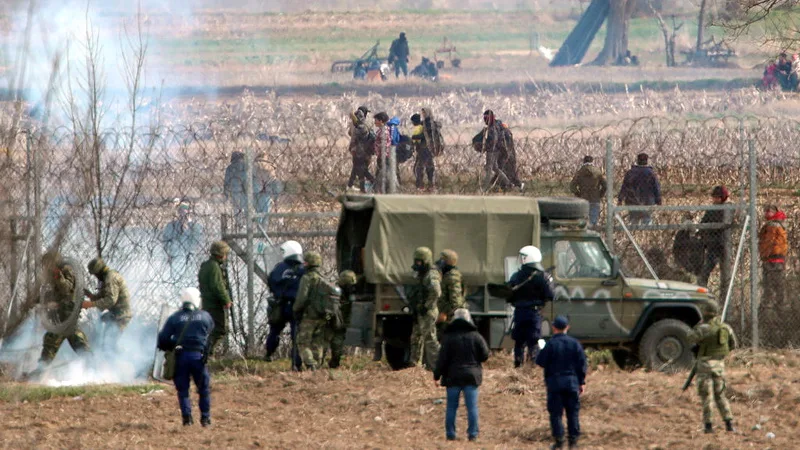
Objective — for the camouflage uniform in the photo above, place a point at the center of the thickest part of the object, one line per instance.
(309, 306)
(424, 297)
(63, 285)
(347, 281)
(452, 287)
(114, 298)
(361, 143)
(712, 337)
(215, 291)
(423, 163)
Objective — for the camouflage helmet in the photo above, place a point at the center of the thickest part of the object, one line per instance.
(347, 278)
(710, 309)
(449, 257)
(219, 248)
(96, 266)
(423, 254)
(312, 259)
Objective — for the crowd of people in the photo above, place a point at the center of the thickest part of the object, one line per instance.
(696, 252)
(389, 146)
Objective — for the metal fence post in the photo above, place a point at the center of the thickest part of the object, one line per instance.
(250, 344)
(610, 211)
(754, 304)
(393, 170)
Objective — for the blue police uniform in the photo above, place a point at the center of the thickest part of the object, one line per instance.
(532, 288)
(564, 364)
(283, 282)
(190, 358)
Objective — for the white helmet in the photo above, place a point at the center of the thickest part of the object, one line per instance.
(191, 295)
(292, 249)
(530, 255)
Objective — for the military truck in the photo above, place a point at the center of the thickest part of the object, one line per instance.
(638, 319)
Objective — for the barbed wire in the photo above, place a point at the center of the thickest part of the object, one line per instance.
(141, 172)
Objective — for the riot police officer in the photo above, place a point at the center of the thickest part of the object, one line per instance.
(531, 287)
(283, 282)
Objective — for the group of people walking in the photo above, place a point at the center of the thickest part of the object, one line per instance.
(390, 147)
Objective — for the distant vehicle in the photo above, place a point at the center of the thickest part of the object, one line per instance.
(636, 318)
(368, 58)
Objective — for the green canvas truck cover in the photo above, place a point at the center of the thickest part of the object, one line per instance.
(484, 230)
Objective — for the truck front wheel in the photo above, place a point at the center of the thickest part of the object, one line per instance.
(665, 347)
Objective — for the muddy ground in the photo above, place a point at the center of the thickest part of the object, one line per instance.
(372, 407)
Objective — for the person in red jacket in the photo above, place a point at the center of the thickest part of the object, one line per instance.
(772, 247)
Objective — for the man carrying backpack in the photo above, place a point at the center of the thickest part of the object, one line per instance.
(314, 306)
(428, 143)
(361, 149)
(492, 141)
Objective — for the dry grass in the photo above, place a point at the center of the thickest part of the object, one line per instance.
(377, 408)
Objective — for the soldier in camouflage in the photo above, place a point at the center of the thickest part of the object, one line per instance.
(309, 309)
(424, 300)
(113, 298)
(452, 289)
(215, 291)
(347, 283)
(712, 336)
(61, 305)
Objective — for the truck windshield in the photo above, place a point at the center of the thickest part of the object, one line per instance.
(581, 259)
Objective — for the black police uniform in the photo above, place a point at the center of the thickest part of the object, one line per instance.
(532, 288)
(283, 282)
(564, 365)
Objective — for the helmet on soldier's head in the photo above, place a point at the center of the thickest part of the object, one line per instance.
(292, 250)
(96, 266)
(710, 310)
(347, 278)
(219, 248)
(191, 295)
(51, 258)
(530, 255)
(312, 259)
(423, 254)
(449, 257)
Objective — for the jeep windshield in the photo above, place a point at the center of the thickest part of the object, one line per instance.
(582, 259)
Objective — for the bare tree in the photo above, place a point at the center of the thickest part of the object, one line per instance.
(617, 25)
(669, 38)
(768, 17)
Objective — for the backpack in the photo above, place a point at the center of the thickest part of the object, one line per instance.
(328, 302)
(404, 149)
(433, 137)
(394, 123)
(508, 140)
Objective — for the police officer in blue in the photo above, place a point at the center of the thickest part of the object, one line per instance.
(531, 287)
(283, 282)
(186, 332)
(564, 364)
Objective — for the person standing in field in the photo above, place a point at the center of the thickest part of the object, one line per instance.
(772, 248)
(399, 55)
(424, 161)
(590, 185)
(640, 187)
(215, 291)
(361, 149)
(382, 149)
(713, 239)
(459, 369)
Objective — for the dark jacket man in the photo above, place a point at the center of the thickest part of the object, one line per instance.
(564, 364)
(215, 290)
(532, 287)
(462, 351)
(640, 187)
(192, 327)
(283, 282)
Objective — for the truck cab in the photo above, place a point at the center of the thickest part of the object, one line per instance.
(638, 319)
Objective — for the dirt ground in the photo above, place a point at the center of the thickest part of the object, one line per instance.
(373, 407)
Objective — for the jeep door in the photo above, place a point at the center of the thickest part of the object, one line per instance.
(586, 291)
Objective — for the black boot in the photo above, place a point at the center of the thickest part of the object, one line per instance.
(709, 428)
(729, 426)
(573, 442)
(559, 443)
(205, 421)
(268, 357)
(333, 363)
(517, 364)
(187, 420)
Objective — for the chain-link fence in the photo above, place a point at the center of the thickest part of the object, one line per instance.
(151, 199)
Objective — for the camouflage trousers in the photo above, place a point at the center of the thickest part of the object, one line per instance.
(711, 388)
(423, 339)
(52, 342)
(336, 340)
(312, 341)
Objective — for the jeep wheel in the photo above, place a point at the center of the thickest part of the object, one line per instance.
(397, 357)
(563, 208)
(665, 347)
